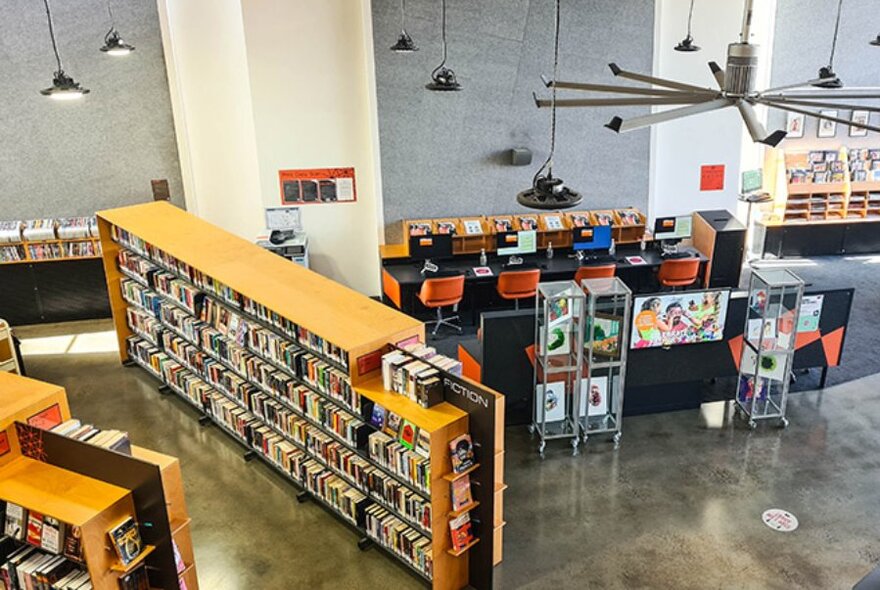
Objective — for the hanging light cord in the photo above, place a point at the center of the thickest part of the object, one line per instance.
(690, 17)
(548, 164)
(442, 37)
(402, 15)
(112, 22)
(52, 35)
(836, 31)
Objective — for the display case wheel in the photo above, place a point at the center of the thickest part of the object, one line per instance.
(753, 424)
(783, 422)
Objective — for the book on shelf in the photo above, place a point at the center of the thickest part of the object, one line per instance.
(392, 423)
(34, 528)
(126, 540)
(393, 534)
(53, 535)
(39, 229)
(29, 568)
(377, 417)
(77, 227)
(407, 436)
(446, 228)
(12, 253)
(15, 525)
(114, 440)
(461, 450)
(423, 443)
(462, 531)
(461, 493)
(73, 543)
(135, 580)
(10, 232)
(420, 229)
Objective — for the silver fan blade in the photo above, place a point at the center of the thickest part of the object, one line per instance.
(803, 85)
(850, 93)
(615, 69)
(756, 128)
(620, 125)
(616, 89)
(825, 105)
(788, 107)
(615, 101)
(718, 72)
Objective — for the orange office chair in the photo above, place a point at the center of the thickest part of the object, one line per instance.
(439, 293)
(678, 272)
(518, 284)
(604, 271)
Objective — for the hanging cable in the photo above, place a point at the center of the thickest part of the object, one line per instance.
(52, 35)
(690, 17)
(442, 37)
(836, 32)
(548, 164)
(402, 15)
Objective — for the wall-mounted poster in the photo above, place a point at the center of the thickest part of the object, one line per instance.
(811, 313)
(862, 118)
(827, 128)
(679, 318)
(795, 125)
(317, 186)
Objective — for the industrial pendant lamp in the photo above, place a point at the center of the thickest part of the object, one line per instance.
(442, 78)
(876, 42)
(113, 43)
(63, 86)
(404, 44)
(546, 191)
(827, 77)
(687, 44)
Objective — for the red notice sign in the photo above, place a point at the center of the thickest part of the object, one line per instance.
(712, 178)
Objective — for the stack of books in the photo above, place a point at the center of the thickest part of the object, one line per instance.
(10, 232)
(114, 440)
(75, 227)
(414, 371)
(36, 230)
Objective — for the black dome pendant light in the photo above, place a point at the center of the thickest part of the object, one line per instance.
(876, 42)
(404, 44)
(546, 191)
(687, 44)
(828, 71)
(113, 43)
(443, 78)
(63, 86)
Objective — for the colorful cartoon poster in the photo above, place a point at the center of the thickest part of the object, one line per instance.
(811, 313)
(679, 318)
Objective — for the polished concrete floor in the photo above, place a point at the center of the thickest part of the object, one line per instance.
(677, 506)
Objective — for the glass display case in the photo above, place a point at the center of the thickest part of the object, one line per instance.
(768, 345)
(559, 337)
(600, 397)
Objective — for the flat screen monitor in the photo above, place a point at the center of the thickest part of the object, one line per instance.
(591, 237)
(513, 243)
(671, 319)
(673, 228)
(430, 247)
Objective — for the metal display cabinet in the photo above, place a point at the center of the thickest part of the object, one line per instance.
(768, 345)
(559, 337)
(600, 396)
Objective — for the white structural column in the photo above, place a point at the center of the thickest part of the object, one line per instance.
(680, 148)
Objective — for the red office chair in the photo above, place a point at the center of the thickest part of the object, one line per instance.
(604, 271)
(518, 284)
(439, 293)
(678, 272)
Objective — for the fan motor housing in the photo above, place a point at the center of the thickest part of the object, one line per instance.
(742, 69)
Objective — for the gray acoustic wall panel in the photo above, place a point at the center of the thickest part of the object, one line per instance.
(447, 153)
(802, 43)
(58, 158)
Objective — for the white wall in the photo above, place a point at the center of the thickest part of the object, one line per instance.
(680, 148)
(313, 93)
(211, 99)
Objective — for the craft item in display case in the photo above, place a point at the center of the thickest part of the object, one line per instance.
(594, 402)
(769, 366)
(461, 451)
(747, 389)
(553, 402)
(606, 335)
(560, 311)
(559, 337)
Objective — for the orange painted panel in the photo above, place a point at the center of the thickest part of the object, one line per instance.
(391, 288)
(833, 343)
(470, 368)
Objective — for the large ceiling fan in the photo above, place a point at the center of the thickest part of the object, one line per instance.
(736, 88)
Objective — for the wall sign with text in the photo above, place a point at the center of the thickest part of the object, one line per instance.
(317, 186)
(712, 178)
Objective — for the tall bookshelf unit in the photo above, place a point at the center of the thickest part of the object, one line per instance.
(286, 362)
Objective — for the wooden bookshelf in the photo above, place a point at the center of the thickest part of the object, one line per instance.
(275, 301)
(28, 250)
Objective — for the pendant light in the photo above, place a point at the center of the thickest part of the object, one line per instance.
(404, 44)
(876, 42)
(443, 78)
(63, 86)
(687, 44)
(546, 191)
(828, 71)
(113, 43)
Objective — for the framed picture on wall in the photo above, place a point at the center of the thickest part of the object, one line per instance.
(795, 125)
(861, 117)
(827, 128)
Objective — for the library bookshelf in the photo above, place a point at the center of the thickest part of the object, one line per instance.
(288, 364)
(57, 477)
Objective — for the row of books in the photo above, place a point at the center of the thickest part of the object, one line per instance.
(114, 440)
(391, 532)
(388, 452)
(12, 253)
(26, 567)
(406, 433)
(177, 289)
(17, 231)
(144, 323)
(45, 532)
(864, 164)
(474, 227)
(415, 373)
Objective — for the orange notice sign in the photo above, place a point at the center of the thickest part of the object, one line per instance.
(712, 178)
(317, 186)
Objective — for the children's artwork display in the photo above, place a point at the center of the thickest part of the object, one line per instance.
(606, 335)
(671, 319)
(553, 404)
(594, 402)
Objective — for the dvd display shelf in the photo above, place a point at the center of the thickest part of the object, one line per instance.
(286, 362)
(44, 240)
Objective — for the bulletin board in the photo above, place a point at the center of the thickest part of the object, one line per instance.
(317, 186)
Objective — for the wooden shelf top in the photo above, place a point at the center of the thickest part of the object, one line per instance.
(156, 458)
(464, 549)
(433, 419)
(145, 551)
(333, 311)
(453, 476)
(19, 393)
(463, 509)
(65, 495)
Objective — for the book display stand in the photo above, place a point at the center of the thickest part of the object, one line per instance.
(288, 363)
(43, 240)
(768, 345)
(82, 493)
(559, 351)
(600, 398)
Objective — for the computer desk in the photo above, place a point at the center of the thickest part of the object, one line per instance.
(402, 279)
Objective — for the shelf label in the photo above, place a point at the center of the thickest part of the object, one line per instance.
(47, 419)
(369, 362)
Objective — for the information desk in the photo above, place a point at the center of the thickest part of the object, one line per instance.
(823, 238)
(402, 279)
(657, 379)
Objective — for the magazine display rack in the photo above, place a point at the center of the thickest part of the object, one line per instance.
(600, 398)
(768, 345)
(559, 351)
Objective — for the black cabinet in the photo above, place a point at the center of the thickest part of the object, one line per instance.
(720, 236)
(820, 239)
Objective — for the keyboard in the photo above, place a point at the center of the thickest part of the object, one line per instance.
(596, 259)
(675, 255)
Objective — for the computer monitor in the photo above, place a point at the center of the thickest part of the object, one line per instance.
(430, 247)
(591, 237)
(672, 229)
(512, 243)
